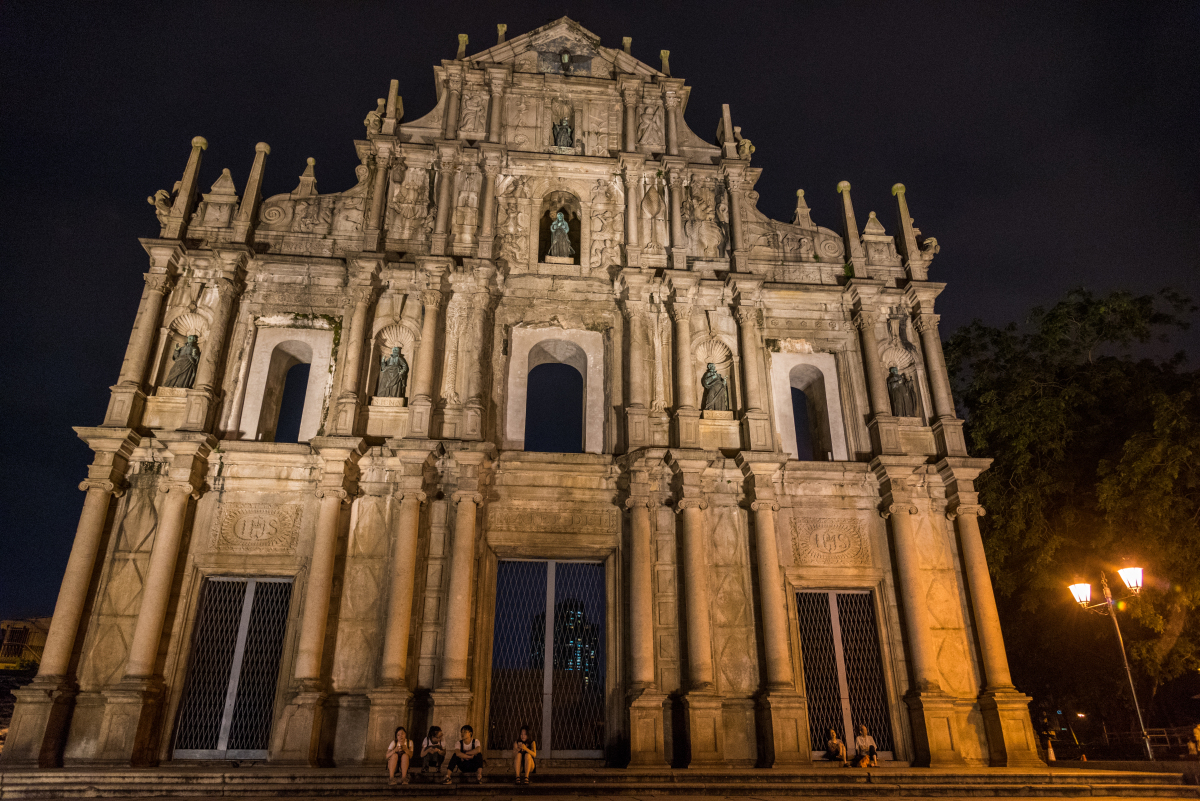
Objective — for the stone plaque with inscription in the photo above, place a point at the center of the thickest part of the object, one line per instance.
(257, 527)
(833, 541)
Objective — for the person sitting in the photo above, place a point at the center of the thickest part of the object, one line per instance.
(399, 754)
(433, 752)
(864, 747)
(524, 750)
(835, 749)
(467, 756)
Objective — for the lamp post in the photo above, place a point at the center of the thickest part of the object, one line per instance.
(1082, 592)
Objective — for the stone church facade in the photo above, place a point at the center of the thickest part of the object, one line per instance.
(758, 573)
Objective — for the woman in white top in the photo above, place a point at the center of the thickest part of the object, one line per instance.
(399, 754)
(864, 745)
(524, 750)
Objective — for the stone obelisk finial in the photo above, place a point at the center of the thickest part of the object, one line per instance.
(665, 55)
(462, 47)
(627, 44)
(854, 250)
(501, 30)
(243, 225)
(185, 201)
(908, 237)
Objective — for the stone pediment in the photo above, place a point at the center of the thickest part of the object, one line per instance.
(563, 47)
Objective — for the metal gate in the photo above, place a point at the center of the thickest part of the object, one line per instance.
(225, 712)
(555, 608)
(843, 669)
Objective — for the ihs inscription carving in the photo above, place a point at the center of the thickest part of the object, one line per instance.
(829, 541)
(257, 527)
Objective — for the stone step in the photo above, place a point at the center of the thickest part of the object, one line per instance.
(250, 782)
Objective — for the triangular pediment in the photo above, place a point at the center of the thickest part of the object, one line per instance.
(563, 47)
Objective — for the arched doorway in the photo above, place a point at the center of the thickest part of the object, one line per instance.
(810, 414)
(555, 397)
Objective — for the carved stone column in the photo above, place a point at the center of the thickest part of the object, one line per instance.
(933, 713)
(390, 700)
(128, 396)
(630, 94)
(757, 431)
(632, 177)
(475, 356)
(491, 165)
(422, 401)
(38, 728)
(637, 433)
(496, 113)
(448, 167)
(784, 713)
(201, 399)
(345, 420)
(739, 260)
(380, 164)
(947, 428)
(452, 698)
(644, 697)
(678, 239)
(128, 735)
(686, 422)
(885, 435)
(297, 737)
(448, 420)
(671, 101)
(454, 97)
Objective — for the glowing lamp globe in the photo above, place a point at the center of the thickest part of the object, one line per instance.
(1132, 576)
(1082, 593)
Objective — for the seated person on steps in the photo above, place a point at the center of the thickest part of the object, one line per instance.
(467, 756)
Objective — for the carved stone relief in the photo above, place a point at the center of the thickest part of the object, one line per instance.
(549, 521)
(829, 541)
(257, 528)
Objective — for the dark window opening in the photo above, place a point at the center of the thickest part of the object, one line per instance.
(291, 407)
(804, 432)
(554, 409)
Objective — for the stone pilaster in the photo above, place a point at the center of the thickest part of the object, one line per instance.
(380, 164)
(947, 428)
(491, 163)
(130, 724)
(202, 397)
(679, 242)
(739, 253)
(448, 156)
(297, 735)
(631, 174)
(421, 405)
(1012, 741)
(671, 106)
(757, 431)
(631, 92)
(364, 294)
(933, 713)
(685, 424)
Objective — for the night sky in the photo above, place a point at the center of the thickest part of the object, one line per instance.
(1045, 148)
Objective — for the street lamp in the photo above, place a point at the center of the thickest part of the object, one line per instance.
(1082, 592)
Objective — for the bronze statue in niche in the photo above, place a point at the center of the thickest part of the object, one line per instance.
(716, 390)
(184, 364)
(393, 375)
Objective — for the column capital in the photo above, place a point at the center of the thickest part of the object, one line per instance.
(161, 283)
(182, 487)
(746, 316)
(964, 509)
(670, 99)
(638, 502)
(764, 505)
(332, 492)
(865, 319)
(410, 495)
(690, 503)
(431, 299)
(898, 508)
(474, 497)
(926, 322)
(111, 487)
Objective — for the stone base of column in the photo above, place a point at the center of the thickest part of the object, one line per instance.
(756, 431)
(948, 435)
(885, 434)
(390, 707)
(437, 245)
(451, 709)
(473, 421)
(1012, 743)
(370, 242)
(936, 738)
(297, 736)
(646, 744)
(685, 428)
(487, 247)
(706, 730)
(783, 724)
(420, 416)
(678, 257)
(448, 422)
(39, 725)
(741, 261)
(197, 410)
(345, 418)
(633, 257)
(129, 723)
(124, 408)
(637, 428)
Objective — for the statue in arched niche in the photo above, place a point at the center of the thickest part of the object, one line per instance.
(184, 364)
(393, 375)
(902, 394)
(716, 390)
(560, 241)
(563, 127)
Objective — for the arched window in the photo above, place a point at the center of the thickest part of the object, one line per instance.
(554, 409)
(282, 375)
(810, 413)
(291, 405)
(581, 353)
(808, 406)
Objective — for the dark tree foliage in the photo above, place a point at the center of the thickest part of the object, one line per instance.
(1096, 466)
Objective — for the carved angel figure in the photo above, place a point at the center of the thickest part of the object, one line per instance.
(745, 147)
(649, 128)
(374, 119)
(184, 364)
(474, 106)
(393, 375)
(161, 201)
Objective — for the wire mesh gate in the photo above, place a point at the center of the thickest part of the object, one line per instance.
(843, 669)
(225, 712)
(555, 608)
